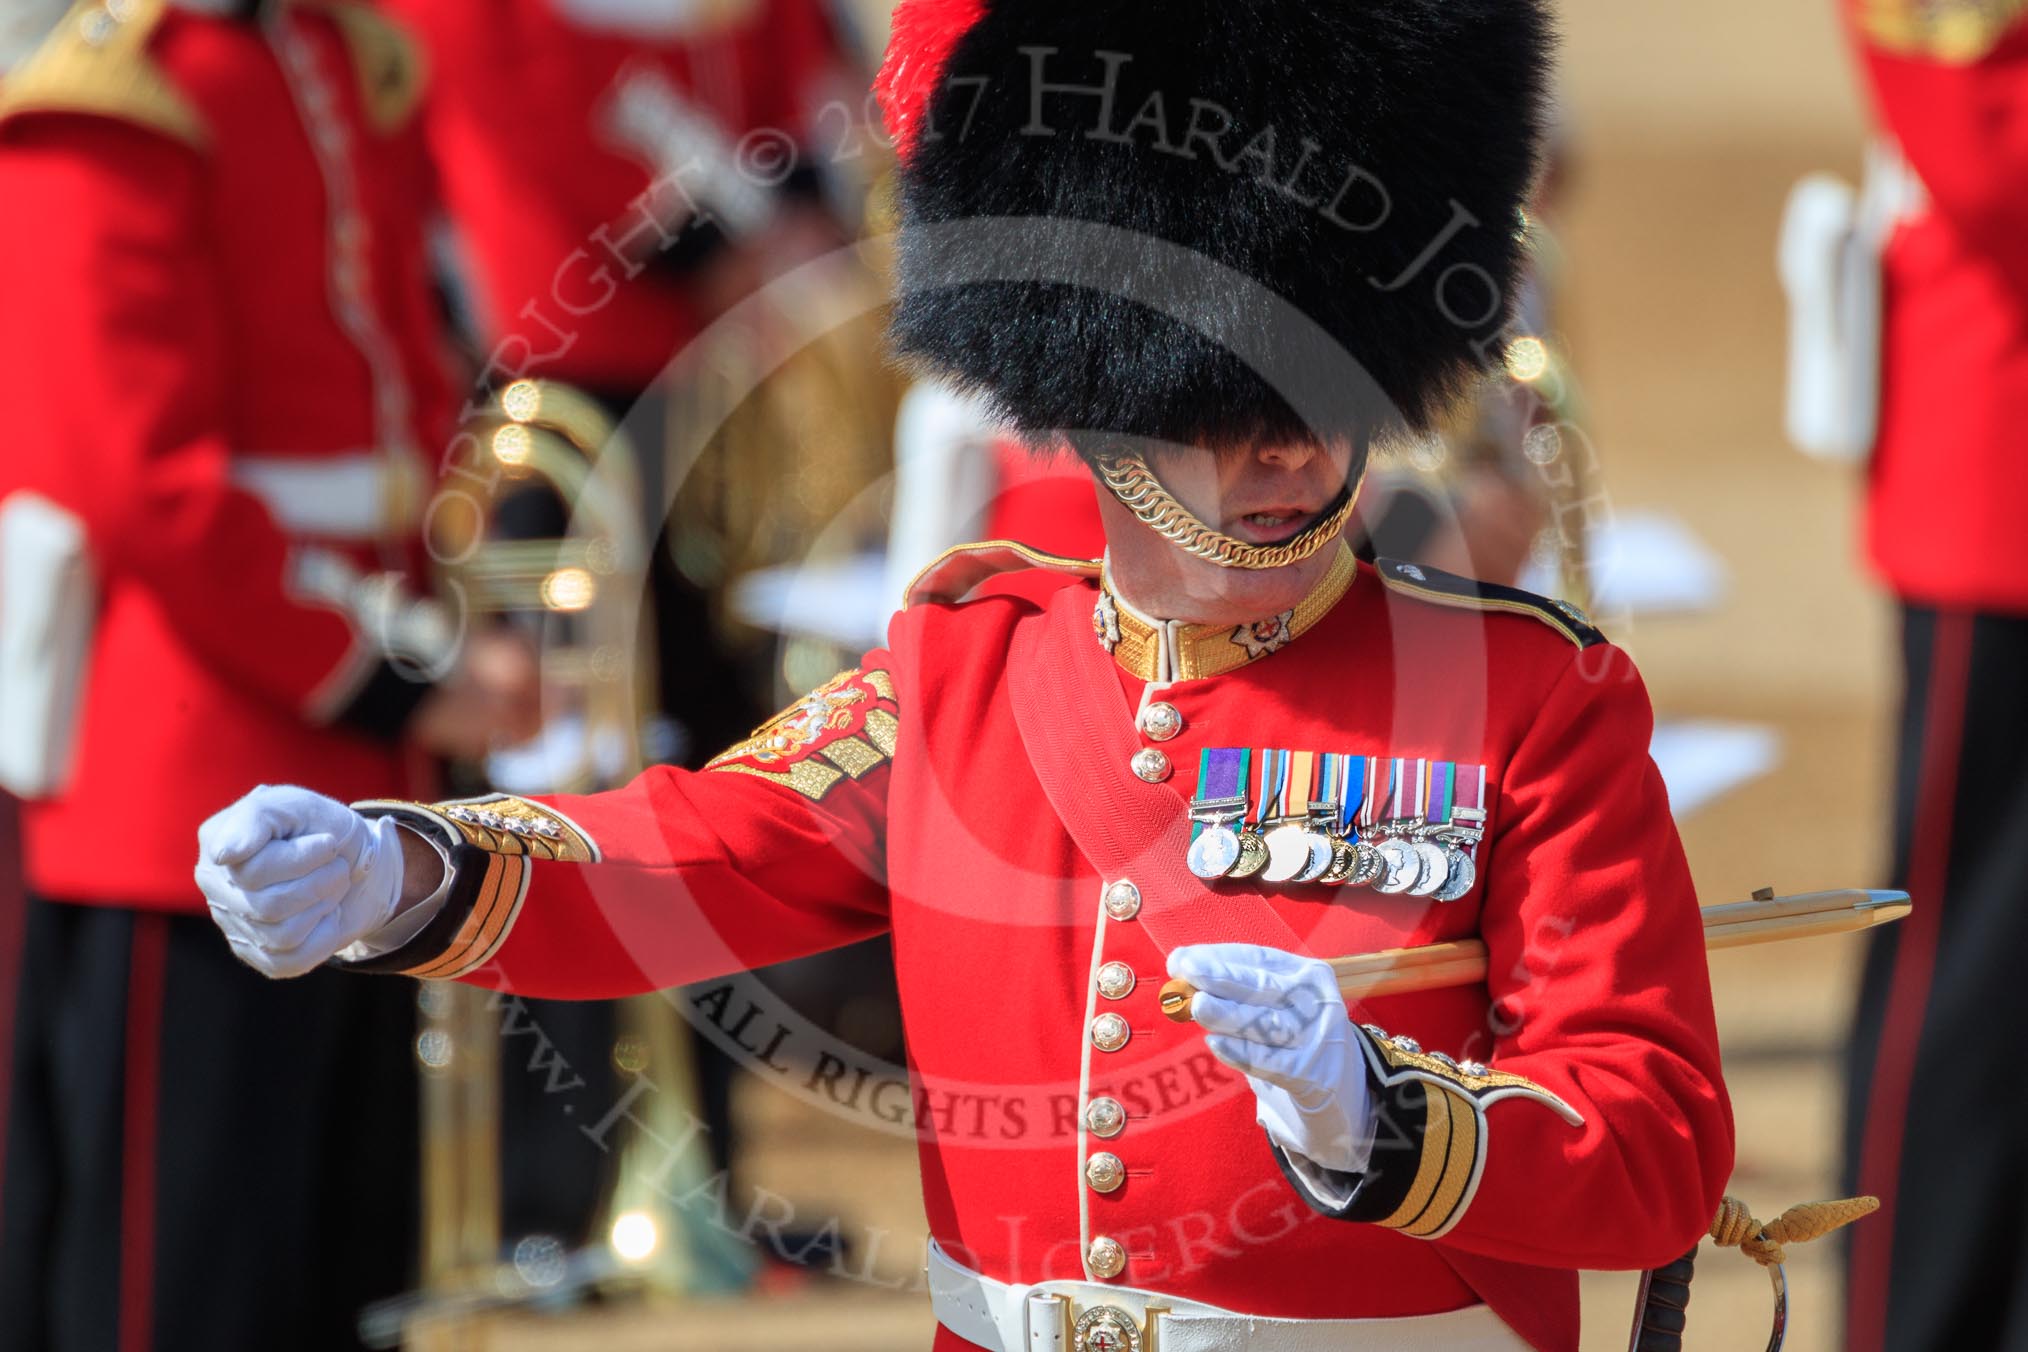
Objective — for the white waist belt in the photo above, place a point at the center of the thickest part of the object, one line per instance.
(1070, 1316)
(364, 495)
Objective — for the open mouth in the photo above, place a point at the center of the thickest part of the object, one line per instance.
(1274, 526)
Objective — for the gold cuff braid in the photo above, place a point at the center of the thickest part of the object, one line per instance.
(1136, 486)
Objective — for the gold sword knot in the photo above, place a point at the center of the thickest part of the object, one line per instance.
(1735, 1227)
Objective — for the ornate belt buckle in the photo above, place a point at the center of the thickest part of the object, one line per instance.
(1108, 1328)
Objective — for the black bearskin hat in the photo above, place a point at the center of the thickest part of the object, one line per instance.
(1180, 220)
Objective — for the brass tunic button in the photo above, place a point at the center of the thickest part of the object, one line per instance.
(1105, 1118)
(1106, 1258)
(1109, 1032)
(1123, 900)
(1104, 1172)
(1151, 765)
(1160, 721)
(1115, 979)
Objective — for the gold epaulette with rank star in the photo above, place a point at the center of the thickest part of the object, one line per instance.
(96, 62)
(1448, 589)
(1954, 32)
(844, 729)
(959, 571)
(488, 844)
(390, 63)
(1430, 1147)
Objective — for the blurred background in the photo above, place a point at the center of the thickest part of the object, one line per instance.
(1727, 562)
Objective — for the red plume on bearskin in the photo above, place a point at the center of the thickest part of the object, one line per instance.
(923, 33)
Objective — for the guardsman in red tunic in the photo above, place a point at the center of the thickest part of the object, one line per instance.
(1221, 254)
(1946, 506)
(229, 395)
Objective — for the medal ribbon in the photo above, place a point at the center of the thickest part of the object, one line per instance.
(1442, 783)
(1351, 794)
(1471, 788)
(1299, 785)
(1377, 793)
(1274, 781)
(1221, 774)
(1398, 789)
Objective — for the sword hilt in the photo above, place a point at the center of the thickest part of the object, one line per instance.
(1665, 1307)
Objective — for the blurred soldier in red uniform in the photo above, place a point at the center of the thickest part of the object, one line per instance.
(1934, 1127)
(229, 397)
(1220, 250)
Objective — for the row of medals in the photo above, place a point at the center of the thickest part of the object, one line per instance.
(1410, 857)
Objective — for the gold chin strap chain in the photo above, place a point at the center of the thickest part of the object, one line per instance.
(1135, 485)
(1735, 1227)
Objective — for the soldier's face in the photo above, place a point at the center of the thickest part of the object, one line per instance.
(1262, 495)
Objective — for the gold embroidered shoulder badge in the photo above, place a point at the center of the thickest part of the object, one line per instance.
(845, 728)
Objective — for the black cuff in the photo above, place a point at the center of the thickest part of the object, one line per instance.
(1429, 1146)
(1399, 1143)
(1428, 1142)
(437, 939)
(493, 842)
(466, 865)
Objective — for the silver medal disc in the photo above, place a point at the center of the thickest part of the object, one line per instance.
(1370, 868)
(1403, 866)
(1288, 848)
(1436, 868)
(1214, 852)
(1463, 873)
(1321, 855)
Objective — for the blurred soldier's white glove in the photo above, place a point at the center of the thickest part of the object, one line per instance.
(292, 876)
(1280, 1020)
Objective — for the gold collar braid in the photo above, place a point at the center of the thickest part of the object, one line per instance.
(1203, 650)
(1135, 485)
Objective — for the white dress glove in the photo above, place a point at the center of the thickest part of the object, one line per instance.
(292, 877)
(1280, 1020)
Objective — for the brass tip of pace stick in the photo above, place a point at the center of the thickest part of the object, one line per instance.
(1175, 999)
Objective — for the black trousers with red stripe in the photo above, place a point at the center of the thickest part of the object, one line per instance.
(1936, 1123)
(198, 1157)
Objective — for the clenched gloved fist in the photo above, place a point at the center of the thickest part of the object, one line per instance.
(1279, 1019)
(292, 876)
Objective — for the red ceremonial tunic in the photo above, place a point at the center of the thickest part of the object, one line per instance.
(1949, 491)
(905, 797)
(212, 264)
